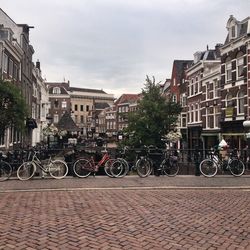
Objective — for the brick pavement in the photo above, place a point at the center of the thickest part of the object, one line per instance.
(125, 219)
(180, 181)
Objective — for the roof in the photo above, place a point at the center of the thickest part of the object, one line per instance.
(127, 98)
(242, 27)
(87, 90)
(180, 66)
(101, 105)
(67, 123)
(63, 90)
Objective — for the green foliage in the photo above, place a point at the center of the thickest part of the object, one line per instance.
(154, 118)
(13, 109)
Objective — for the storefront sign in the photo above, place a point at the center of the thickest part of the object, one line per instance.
(229, 111)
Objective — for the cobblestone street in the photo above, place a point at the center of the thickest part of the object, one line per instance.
(123, 218)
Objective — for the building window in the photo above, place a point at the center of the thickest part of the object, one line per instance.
(229, 100)
(87, 108)
(64, 104)
(56, 90)
(15, 72)
(5, 63)
(81, 107)
(76, 107)
(174, 98)
(10, 68)
(183, 120)
(197, 113)
(233, 32)
(183, 100)
(216, 88)
(228, 71)
(56, 104)
(82, 119)
(76, 119)
(192, 113)
(240, 67)
(2, 133)
(240, 102)
(56, 118)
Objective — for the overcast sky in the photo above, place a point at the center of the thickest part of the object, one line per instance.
(113, 44)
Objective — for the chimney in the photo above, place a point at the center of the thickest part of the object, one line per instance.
(217, 49)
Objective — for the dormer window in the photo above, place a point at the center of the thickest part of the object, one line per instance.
(56, 90)
(233, 31)
(232, 26)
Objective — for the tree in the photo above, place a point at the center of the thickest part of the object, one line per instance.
(154, 118)
(13, 109)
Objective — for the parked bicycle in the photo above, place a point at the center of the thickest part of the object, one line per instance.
(210, 166)
(170, 166)
(5, 168)
(57, 169)
(141, 162)
(83, 167)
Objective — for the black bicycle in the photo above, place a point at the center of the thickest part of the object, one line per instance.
(5, 168)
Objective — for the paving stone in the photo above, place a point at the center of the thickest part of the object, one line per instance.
(125, 219)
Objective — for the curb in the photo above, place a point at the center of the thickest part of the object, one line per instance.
(243, 188)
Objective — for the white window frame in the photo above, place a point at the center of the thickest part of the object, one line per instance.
(64, 104)
(56, 118)
(240, 66)
(11, 65)
(228, 67)
(240, 102)
(5, 63)
(56, 90)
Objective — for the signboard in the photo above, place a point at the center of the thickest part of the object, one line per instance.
(229, 111)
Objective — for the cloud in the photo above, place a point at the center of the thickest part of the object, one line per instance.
(114, 44)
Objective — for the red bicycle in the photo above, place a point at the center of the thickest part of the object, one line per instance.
(83, 167)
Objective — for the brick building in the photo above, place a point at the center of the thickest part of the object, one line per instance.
(235, 75)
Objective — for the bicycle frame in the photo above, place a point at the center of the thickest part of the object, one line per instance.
(97, 165)
(219, 162)
(38, 163)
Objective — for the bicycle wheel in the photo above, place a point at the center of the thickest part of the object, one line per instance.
(125, 167)
(5, 171)
(117, 168)
(26, 171)
(82, 168)
(58, 169)
(107, 167)
(236, 167)
(170, 169)
(208, 168)
(143, 167)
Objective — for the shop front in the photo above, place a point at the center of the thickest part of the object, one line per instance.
(233, 133)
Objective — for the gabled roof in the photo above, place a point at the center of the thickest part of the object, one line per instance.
(67, 123)
(127, 98)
